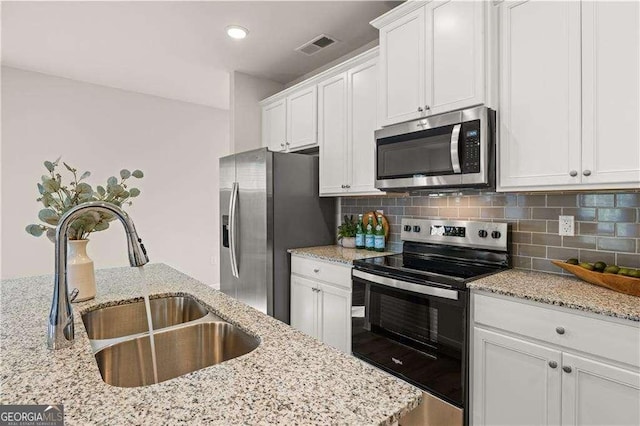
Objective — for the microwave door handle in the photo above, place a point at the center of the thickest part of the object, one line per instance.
(455, 156)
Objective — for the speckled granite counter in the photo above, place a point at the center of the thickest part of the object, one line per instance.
(562, 291)
(336, 254)
(289, 379)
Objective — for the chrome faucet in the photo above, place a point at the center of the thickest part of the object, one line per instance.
(60, 331)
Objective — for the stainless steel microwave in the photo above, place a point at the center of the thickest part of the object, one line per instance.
(446, 152)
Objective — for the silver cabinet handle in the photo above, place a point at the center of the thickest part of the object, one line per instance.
(573, 173)
(587, 172)
(420, 109)
(342, 186)
(553, 364)
(560, 330)
(427, 107)
(455, 157)
(566, 369)
(316, 270)
(347, 186)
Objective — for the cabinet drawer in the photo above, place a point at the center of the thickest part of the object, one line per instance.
(603, 338)
(324, 271)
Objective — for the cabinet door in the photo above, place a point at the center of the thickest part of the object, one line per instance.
(274, 125)
(599, 394)
(302, 118)
(362, 113)
(334, 317)
(455, 55)
(540, 94)
(304, 305)
(513, 382)
(611, 92)
(332, 135)
(402, 68)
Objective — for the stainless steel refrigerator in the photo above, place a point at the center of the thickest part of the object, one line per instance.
(268, 203)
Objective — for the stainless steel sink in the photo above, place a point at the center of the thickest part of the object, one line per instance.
(179, 351)
(131, 318)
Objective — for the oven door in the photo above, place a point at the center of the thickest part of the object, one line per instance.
(450, 150)
(414, 331)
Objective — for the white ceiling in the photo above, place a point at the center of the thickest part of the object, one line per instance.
(179, 49)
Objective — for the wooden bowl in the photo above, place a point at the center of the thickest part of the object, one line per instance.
(385, 222)
(619, 283)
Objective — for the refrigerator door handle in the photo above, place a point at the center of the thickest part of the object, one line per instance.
(232, 231)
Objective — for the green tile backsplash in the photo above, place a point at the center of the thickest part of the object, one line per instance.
(607, 224)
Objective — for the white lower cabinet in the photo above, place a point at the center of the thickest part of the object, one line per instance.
(518, 379)
(321, 301)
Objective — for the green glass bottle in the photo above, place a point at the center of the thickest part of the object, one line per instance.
(379, 242)
(360, 233)
(369, 236)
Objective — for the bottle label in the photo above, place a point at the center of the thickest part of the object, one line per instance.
(379, 241)
(359, 240)
(369, 240)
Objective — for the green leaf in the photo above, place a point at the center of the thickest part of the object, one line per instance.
(137, 174)
(85, 175)
(84, 188)
(48, 216)
(71, 169)
(55, 163)
(51, 185)
(101, 226)
(51, 234)
(101, 190)
(41, 189)
(49, 165)
(125, 174)
(35, 230)
(124, 194)
(112, 181)
(134, 192)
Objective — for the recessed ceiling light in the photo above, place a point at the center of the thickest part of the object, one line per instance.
(237, 32)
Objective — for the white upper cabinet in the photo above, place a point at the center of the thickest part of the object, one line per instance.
(302, 118)
(570, 95)
(540, 93)
(431, 59)
(610, 92)
(402, 68)
(347, 122)
(274, 125)
(332, 132)
(290, 122)
(455, 55)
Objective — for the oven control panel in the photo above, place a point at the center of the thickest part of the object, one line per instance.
(490, 235)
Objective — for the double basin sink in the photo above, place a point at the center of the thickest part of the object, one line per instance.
(187, 338)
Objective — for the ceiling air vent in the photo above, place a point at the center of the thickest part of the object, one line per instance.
(317, 44)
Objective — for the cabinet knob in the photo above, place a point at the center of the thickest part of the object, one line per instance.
(573, 173)
(316, 270)
(427, 107)
(560, 330)
(282, 145)
(420, 109)
(566, 369)
(342, 186)
(553, 364)
(347, 186)
(287, 144)
(587, 172)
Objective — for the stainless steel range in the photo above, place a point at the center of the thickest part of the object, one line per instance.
(410, 310)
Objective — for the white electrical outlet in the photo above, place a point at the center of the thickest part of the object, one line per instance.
(566, 226)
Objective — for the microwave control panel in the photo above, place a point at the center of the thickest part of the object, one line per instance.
(470, 147)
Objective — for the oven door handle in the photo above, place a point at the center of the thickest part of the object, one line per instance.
(455, 155)
(405, 285)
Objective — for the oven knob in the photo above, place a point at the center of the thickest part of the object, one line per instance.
(416, 228)
(482, 233)
(407, 228)
(496, 234)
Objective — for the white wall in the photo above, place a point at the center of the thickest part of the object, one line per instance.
(246, 114)
(176, 144)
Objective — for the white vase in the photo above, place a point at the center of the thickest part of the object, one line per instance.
(80, 273)
(349, 242)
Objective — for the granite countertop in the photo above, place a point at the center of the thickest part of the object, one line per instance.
(337, 254)
(561, 290)
(290, 378)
